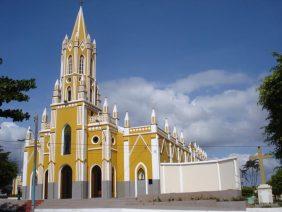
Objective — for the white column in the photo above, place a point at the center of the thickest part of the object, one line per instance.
(126, 161)
(25, 161)
(81, 145)
(51, 173)
(170, 153)
(40, 160)
(155, 158)
(106, 155)
(218, 176)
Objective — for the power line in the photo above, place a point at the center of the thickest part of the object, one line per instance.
(115, 145)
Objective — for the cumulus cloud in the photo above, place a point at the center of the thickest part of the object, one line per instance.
(207, 79)
(9, 135)
(226, 117)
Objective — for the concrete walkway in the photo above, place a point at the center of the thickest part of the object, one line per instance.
(132, 204)
(149, 210)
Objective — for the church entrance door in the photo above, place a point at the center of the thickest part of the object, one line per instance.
(66, 182)
(96, 182)
(46, 185)
(141, 182)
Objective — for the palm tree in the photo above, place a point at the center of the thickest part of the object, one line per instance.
(250, 171)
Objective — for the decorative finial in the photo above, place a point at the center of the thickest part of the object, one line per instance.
(81, 3)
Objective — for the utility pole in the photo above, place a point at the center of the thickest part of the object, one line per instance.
(34, 179)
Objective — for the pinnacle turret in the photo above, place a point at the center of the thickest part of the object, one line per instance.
(106, 106)
(166, 127)
(126, 120)
(153, 117)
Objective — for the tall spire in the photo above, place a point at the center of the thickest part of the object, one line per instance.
(79, 31)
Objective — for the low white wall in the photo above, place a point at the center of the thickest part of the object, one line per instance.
(212, 175)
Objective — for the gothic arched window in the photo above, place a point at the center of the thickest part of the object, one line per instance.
(70, 65)
(141, 174)
(67, 140)
(91, 93)
(69, 93)
(81, 64)
(91, 67)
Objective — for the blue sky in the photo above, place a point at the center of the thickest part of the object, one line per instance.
(219, 49)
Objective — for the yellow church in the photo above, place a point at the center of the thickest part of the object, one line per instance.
(82, 151)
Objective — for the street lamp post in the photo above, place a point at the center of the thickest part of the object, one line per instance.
(34, 161)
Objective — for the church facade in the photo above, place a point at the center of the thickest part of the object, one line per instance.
(83, 152)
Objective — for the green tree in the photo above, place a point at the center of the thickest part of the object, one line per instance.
(14, 90)
(276, 182)
(250, 171)
(270, 97)
(8, 169)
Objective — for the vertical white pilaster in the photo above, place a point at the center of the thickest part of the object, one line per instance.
(40, 160)
(51, 173)
(237, 175)
(155, 158)
(106, 156)
(126, 161)
(218, 176)
(180, 178)
(25, 161)
(81, 145)
(170, 153)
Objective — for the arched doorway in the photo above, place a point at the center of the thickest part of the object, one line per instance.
(46, 185)
(141, 181)
(96, 181)
(66, 182)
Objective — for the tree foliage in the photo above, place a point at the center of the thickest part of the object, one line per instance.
(276, 182)
(270, 97)
(8, 169)
(249, 172)
(14, 90)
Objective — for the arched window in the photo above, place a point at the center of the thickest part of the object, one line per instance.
(69, 93)
(141, 174)
(91, 93)
(67, 140)
(91, 67)
(70, 65)
(81, 64)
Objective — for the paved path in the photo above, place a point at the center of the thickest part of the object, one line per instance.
(131, 204)
(149, 210)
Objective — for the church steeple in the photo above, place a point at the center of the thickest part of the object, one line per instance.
(79, 31)
(78, 62)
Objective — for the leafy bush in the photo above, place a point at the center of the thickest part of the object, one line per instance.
(248, 191)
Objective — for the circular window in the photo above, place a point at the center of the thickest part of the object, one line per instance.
(113, 140)
(95, 139)
(68, 80)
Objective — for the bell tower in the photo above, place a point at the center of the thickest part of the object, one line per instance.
(78, 65)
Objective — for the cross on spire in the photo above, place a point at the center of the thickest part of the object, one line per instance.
(81, 2)
(260, 157)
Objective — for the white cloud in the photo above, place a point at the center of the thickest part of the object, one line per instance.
(227, 117)
(9, 135)
(207, 79)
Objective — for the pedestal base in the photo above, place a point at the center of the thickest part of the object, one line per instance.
(265, 194)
